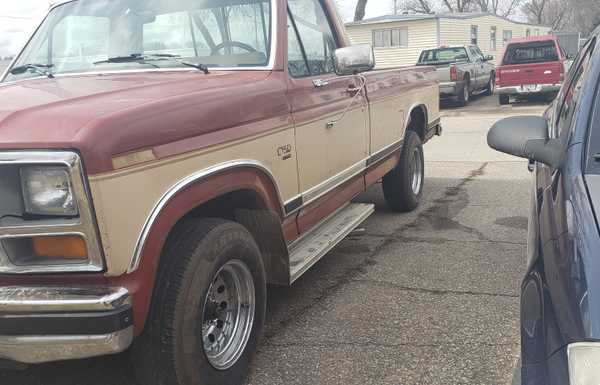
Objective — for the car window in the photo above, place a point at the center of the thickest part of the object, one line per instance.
(296, 61)
(533, 52)
(76, 39)
(443, 55)
(572, 94)
(316, 36)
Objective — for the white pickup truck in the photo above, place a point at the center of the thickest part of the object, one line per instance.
(462, 71)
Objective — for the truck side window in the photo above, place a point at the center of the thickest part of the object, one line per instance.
(316, 36)
(296, 61)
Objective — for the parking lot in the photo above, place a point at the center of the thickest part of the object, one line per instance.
(430, 297)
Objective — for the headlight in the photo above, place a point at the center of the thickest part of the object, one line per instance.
(47, 222)
(584, 363)
(48, 191)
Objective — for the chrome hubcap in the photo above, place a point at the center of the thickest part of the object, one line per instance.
(416, 171)
(228, 314)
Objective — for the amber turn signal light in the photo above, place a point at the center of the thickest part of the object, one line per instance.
(68, 247)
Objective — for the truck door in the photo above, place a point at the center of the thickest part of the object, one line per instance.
(479, 70)
(330, 118)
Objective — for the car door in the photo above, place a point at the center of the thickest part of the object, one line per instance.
(478, 68)
(552, 189)
(331, 118)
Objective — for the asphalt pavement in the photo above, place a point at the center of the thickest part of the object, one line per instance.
(429, 297)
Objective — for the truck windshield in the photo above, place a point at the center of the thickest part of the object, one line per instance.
(443, 56)
(84, 35)
(534, 52)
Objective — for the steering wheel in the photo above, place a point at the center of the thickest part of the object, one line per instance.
(233, 44)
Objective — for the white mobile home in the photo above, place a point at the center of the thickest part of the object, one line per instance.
(398, 40)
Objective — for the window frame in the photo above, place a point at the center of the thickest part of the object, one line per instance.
(474, 32)
(334, 33)
(493, 38)
(505, 41)
(391, 40)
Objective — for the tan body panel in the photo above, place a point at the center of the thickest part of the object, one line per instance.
(125, 199)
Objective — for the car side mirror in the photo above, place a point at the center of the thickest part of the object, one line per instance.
(526, 137)
(488, 58)
(354, 59)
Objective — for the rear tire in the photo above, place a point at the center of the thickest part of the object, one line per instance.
(504, 99)
(208, 309)
(465, 94)
(491, 86)
(403, 185)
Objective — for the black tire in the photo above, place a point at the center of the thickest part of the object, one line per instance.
(491, 86)
(171, 349)
(464, 94)
(504, 100)
(398, 183)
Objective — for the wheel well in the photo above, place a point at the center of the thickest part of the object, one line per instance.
(418, 121)
(249, 209)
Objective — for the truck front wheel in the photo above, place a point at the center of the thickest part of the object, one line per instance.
(209, 308)
(504, 99)
(403, 186)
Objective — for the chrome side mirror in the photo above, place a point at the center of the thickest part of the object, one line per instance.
(354, 59)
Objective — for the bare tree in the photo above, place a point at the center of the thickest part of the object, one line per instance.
(458, 5)
(420, 6)
(504, 8)
(361, 6)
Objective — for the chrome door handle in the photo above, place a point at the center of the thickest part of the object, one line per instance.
(320, 83)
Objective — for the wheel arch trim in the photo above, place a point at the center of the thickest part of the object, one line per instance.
(413, 108)
(188, 181)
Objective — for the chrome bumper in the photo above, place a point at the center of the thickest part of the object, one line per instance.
(524, 90)
(450, 89)
(43, 324)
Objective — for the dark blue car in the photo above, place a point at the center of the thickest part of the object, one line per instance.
(560, 295)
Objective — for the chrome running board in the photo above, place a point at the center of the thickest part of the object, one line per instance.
(309, 249)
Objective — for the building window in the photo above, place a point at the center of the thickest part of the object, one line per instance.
(493, 33)
(537, 32)
(394, 37)
(474, 34)
(506, 36)
(528, 33)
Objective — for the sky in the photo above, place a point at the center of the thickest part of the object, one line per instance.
(18, 18)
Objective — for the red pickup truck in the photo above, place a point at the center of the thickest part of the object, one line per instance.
(531, 66)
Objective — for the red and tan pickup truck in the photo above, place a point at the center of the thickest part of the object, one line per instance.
(162, 161)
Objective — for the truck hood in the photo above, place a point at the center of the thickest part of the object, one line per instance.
(104, 115)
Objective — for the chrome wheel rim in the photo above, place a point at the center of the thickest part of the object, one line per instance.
(416, 168)
(466, 91)
(228, 314)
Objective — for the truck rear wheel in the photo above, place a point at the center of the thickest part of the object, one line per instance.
(403, 186)
(209, 308)
(464, 95)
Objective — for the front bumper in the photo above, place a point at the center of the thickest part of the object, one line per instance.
(524, 90)
(43, 324)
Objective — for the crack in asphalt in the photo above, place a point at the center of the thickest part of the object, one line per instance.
(434, 291)
(439, 215)
(438, 240)
(329, 344)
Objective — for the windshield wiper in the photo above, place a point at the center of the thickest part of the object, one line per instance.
(146, 59)
(41, 69)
